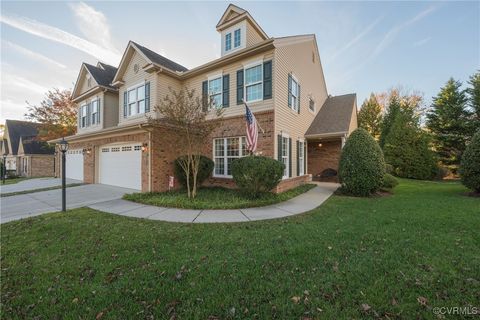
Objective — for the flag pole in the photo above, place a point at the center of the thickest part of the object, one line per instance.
(258, 123)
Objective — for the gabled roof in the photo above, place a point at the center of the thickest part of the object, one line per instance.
(234, 14)
(334, 117)
(102, 73)
(17, 129)
(30, 145)
(153, 59)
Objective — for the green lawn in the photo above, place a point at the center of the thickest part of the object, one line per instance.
(385, 253)
(213, 198)
(13, 180)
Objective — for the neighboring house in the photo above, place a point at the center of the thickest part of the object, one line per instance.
(27, 156)
(281, 79)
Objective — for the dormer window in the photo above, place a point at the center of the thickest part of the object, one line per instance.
(237, 38)
(228, 42)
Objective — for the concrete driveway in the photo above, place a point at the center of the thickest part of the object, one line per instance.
(33, 204)
(32, 184)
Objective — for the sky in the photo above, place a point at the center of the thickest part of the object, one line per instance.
(364, 46)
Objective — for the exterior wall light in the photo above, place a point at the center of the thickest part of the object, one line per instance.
(145, 147)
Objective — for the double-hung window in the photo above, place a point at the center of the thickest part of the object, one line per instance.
(136, 100)
(95, 111)
(285, 156)
(83, 111)
(237, 38)
(228, 42)
(301, 158)
(254, 83)
(225, 151)
(215, 91)
(295, 90)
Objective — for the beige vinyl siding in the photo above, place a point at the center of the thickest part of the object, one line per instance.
(353, 120)
(98, 126)
(84, 83)
(165, 83)
(110, 109)
(296, 58)
(130, 78)
(253, 37)
(231, 69)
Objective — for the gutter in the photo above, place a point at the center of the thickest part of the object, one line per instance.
(116, 129)
(340, 134)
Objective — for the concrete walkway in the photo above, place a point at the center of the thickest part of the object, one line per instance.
(302, 203)
(33, 184)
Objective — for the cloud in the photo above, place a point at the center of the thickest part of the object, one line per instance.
(393, 33)
(93, 25)
(33, 55)
(356, 39)
(54, 34)
(420, 43)
(18, 82)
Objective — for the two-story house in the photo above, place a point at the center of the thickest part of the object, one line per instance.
(281, 80)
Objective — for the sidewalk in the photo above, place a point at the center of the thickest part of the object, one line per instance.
(303, 203)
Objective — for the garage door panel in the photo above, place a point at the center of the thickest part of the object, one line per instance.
(121, 166)
(74, 165)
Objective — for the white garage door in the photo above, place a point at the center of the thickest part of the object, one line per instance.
(121, 165)
(74, 166)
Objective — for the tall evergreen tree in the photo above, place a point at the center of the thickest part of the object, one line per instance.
(370, 116)
(393, 110)
(448, 121)
(474, 99)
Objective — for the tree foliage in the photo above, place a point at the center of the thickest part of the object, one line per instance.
(56, 113)
(448, 121)
(187, 114)
(470, 165)
(204, 170)
(362, 166)
(370, 116)
(474, 100)
(407, 149)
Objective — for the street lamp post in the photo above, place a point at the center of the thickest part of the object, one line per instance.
(4, 169)
(63, 146)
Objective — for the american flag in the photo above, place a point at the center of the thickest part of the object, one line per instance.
(252, 130)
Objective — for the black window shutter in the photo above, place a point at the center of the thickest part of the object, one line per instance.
(279, 147)
(289, 157)
(226, 91)
(298, 158)
(205, 95)
(98, 110)
(147, 97)
(289, 90)
(267, 80)
(298, 100)
(125, 104)
(80, 117)
(240, 86)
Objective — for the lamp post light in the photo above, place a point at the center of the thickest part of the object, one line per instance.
(4, 169)
(63, 146)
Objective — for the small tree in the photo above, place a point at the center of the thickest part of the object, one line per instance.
(392, 111)
(187, 114)
(362, 167)
(57, 114)
(370, 116)
(470, 165)
(474, 100)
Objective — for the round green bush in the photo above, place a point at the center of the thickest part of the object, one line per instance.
(255, 175)
(389, 168)
(204, 171)
(389, 181)
(362, 166)
(470, 164)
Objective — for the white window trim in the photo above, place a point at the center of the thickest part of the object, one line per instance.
(136, 86)
(98, 112)
(225, 157)
(82, 107)
(214, 77)
(248, 66)
(302, 141)
(231, 42)
(287, 168)
(295, 106)
(233, 38)
(243, 38)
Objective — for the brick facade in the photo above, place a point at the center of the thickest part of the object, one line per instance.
(36, 166)
(324, 157)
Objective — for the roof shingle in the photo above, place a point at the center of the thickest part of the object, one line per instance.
(103, 76)
(17, 129)
(160, 60)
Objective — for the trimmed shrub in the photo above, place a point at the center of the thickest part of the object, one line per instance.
(389, 181)
(389, 168)
(204, 171)
(255, 175)
(362, 166)
(470, 164)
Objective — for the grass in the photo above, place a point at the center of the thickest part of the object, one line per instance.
(213, 198)
(351, 258)
(13, 180)
(9, 194)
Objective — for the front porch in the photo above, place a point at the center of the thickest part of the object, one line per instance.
(323, 157)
